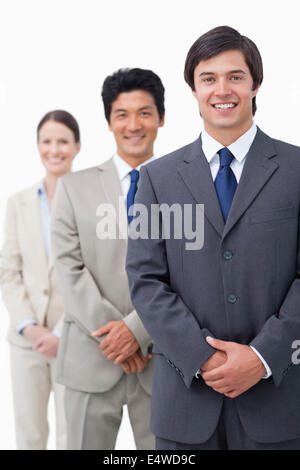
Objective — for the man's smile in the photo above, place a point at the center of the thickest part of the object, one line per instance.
(226, 106)
(135, 139)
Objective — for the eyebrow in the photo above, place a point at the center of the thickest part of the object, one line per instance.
(231, 71)
(119, 110)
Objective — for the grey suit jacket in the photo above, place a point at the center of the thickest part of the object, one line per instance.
(92, 278)
(250, 297)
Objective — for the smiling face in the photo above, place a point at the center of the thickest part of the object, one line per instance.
(57, 147)
(223, 89)
(134, 121)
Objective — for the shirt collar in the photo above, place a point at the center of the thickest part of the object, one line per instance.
(123, 168)
(41, 189)
(239, 148)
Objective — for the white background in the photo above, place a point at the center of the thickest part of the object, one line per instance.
(56, 54)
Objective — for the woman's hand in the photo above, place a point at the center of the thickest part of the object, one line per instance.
(35, 332)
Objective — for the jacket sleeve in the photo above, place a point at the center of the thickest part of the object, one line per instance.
(173, 327)
(81, 294)
(13, 289)
(134, 323)
(275, 340)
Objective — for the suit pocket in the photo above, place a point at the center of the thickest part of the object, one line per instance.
(155, 351)
(281, 213)
(68, 319)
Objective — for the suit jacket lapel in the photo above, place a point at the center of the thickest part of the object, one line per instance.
(196, 175)
(33, 226)
(258, 169)
(50, 264)
(112, 188)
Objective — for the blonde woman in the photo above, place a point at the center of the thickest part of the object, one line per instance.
(29, 290)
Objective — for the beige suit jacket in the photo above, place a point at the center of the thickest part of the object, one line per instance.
(28, 285)
(92, 277)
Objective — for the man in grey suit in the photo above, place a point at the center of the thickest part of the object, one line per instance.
(224, 318)
(104, 358)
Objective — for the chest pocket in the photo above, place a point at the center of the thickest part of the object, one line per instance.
(273, 215)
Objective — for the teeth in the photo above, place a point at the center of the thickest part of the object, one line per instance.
(224, 106)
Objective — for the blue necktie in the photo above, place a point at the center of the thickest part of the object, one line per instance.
(134, 177)
(225, 182)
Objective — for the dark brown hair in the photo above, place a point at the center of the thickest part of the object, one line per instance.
(220, 39)
(59, 115)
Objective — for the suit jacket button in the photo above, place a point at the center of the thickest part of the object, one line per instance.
(46, 291)
(232, 299)
(227, 255)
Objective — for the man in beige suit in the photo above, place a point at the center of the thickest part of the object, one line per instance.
(104, 359)
(30, 291)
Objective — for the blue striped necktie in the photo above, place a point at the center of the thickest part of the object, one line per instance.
(225, 182)
(134, 177)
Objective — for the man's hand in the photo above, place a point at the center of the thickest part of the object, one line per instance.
(119, 343)
(241, 371)
(135, 363)
(47, 345)
(35, 332)
(216, 360)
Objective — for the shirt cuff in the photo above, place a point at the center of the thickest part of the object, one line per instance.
(198, 373)
(269, 372)
(56, 333)
(21, 326)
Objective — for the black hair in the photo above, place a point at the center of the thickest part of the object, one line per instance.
(125, 80)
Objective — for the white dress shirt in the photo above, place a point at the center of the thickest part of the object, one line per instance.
(123, 169)
(239, 150)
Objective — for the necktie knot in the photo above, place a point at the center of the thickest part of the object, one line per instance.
(134, 176)
(226, 157)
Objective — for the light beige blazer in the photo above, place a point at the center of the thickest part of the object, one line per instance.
(92, 277)
(27, 279)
